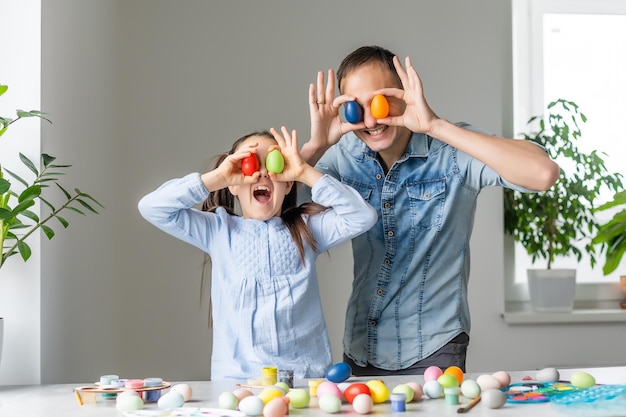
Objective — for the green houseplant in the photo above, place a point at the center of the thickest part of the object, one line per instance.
(612, 234)
(560, 222)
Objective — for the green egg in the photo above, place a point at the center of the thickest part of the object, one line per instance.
(582, 380)
(298, 397)
(448, 380)
(274, 162)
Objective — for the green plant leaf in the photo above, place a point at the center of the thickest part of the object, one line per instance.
(17, 177)
(47, 231)
(6, 214)
(23, 206)
(29, 164)
(4, 185)
(75, 209)
(24, 250)
(30, 193)
(3, 89)
(87, 206)
(62, 221)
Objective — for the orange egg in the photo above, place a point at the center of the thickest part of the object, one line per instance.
(379, 106)
(456, 372)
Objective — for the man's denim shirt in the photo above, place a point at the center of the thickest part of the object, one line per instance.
(411, 270)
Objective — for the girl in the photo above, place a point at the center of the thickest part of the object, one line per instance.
(265, 300)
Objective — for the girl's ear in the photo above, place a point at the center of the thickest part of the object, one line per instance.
(288, 187)
(233, 189)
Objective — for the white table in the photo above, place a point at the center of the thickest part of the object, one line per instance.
(59, 399)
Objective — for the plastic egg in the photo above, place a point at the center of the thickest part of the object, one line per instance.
(432, 373)
(379, 106)
(362, 404)
(184, 389)
(378, 391)
(353, 112)
(456, 372)
(172, 399)
(328, 387)
(251, 406)
(249, 165)
(503, 378)
(298, 397)
(448, 380)
(283, 386)
(355, 389)
(329, 403)
(548, 375)
(339, 372)
(433, 389)
(277, 407)
(242, 393)
(418, 390)
(582, 380)
(493, 398)
(228, 400)
(274, 162)
(470, 389)
(487, 382)
(404, 389)
(128, 403)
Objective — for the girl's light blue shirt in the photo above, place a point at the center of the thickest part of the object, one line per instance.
(411, 270)
(265, 301)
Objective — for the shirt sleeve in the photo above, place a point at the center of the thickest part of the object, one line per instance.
(347, 217)
(170, 208)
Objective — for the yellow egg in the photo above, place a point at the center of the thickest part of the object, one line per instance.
(270, 393)
(379, 106)
(378, 391)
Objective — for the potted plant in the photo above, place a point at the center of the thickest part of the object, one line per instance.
(17, 197)
(559, 222)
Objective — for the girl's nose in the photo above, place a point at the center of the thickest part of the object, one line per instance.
(263, 171)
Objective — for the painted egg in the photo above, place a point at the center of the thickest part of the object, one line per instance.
(548, 375)
(504, 378)
(493, 398)
(329, 403)
(184, 389)
(432, 373)
(277, 407)
(298, 397)
(418, 390)
(270, 393)
(228, 400)
(378, 391)
(328, 387)
(128, 403)
(274, 162)
(283, 386)
(251, 406)
(470, 389)
(242, 393)
(487, 382)
(447, 380)
(433, 389)
(582, 380)
(339, 372)
(404, 389)
(171, 400)
(249, 165)
(456, 372)
(362, 404)
(355, 389)
(379, 106)
(353, 112)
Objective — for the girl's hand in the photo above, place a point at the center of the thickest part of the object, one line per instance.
(288, 146)
(229, 171)
(417, 116)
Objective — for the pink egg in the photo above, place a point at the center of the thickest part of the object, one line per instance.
(241, 393)
(276, 407)
(417, 389)
(503, 378)
(432, 373)
(328, 387)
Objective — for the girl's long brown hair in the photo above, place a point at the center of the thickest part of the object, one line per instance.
(291, 213)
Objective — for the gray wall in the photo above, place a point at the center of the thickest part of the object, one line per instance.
(141, 91)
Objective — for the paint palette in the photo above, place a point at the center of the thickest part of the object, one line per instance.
(597, 401)
(536, 392)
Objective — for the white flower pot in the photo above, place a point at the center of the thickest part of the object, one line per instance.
(552, 290)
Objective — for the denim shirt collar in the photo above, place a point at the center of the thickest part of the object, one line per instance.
(418, 146)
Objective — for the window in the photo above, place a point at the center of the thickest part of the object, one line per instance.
(572, 50)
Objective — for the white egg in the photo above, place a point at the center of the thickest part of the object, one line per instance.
(251, 406)
(470, 388)
(184, 389)
(487, 382)
(547, 375)
(128, 403)
(362, 404)
(493, 398)
(433, 389)
(171, 400)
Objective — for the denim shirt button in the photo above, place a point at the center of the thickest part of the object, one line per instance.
(378, 176)
(373, 323)
(379, 292)
(387, 205)
(390, 233)
(387, 261)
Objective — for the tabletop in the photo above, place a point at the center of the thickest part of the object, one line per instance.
(59, 399)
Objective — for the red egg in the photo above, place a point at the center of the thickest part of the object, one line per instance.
(250, 165)
(355, 389)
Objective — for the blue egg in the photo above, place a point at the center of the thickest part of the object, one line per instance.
(353, 112)
(339, 372)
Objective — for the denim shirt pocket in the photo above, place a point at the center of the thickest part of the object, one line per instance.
(363, 189)
(427, 200)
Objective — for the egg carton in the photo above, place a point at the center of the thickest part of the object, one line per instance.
(597, 401)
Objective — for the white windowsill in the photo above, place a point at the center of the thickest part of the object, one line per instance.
(520, 312)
